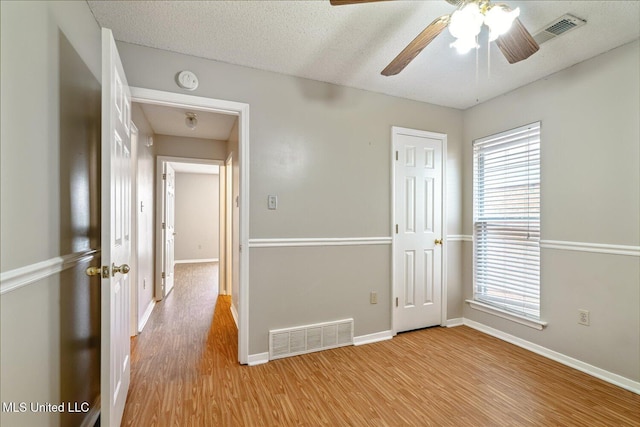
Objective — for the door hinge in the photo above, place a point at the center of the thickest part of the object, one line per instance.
(396, 228)
(396, 155)
(164, 276)
(164, 226)
(164, 176)
(396, 301)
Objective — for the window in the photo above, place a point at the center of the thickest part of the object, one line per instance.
(506, 220)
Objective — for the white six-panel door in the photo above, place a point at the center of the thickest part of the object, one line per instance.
(115, 235)
(418, 229)
(168, 221)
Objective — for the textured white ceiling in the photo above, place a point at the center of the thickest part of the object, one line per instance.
(171, 121)
(350, 45)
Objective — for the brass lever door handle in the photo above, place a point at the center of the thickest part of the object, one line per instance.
(124, 269)
(438, 241)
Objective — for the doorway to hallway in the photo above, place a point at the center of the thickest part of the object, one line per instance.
(240, 151)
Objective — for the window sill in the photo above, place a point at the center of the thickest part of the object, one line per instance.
(535, 324)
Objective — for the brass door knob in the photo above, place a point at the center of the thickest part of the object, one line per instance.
(98, 271)
(93, 271)
(438, 241)
(124, 269)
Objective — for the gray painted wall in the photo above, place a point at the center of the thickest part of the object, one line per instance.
(325, 151)
(590, 194)
(197, 216)
(196, 148)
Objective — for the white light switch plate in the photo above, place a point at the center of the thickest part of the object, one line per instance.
(272, 202)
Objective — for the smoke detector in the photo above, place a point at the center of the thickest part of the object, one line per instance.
(558, 26)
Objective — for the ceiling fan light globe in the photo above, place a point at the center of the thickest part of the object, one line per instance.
(464, 45)
(499, 20)
(466, 22)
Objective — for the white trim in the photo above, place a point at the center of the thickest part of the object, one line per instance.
(452, 323)
(243, 286)
(460, 238)
(372, 338)
(610, 377)
(486, 308)
(234, 314)
(591, 247)
(146, 315)
(92, 416)
(241, 110)
(195, 261)
(22, 276)
(257, 359)
(326, 241)
(173, 99)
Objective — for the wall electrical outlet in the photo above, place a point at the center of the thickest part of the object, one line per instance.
(373, 297)
(583, 317)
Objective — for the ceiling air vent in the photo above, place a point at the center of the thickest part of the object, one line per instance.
(558, 26)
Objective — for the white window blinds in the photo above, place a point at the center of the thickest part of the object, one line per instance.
(507, 220)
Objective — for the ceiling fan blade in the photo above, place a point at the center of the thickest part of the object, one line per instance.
(345, 2)
(456, 3)
(517, 44)
(416, 46)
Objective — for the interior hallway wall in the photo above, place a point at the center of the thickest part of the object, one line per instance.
(197, 217)
(145, 207)
(196, 148)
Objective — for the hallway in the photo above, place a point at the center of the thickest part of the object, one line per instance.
(174, 359)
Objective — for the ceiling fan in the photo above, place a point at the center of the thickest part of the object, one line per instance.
(513, 39)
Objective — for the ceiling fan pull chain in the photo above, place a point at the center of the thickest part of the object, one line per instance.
(477, 74)
(488, 59)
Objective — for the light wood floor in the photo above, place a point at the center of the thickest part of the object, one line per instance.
(185, 373)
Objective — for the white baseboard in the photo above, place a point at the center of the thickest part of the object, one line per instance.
(195, 261)
(258, 359)
(371, 338)
(234, 314)
(610, 377)
(450, 323)
(146, 315)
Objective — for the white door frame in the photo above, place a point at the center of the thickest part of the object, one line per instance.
(228, 231)
(395, 130)
(160, 285)
(241, 110)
